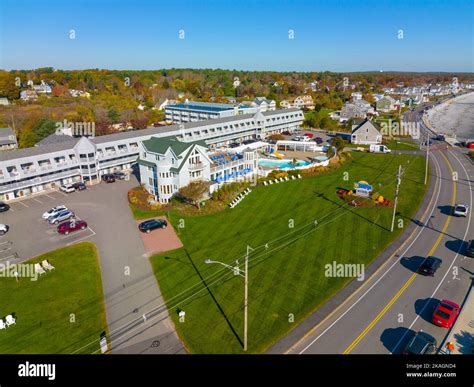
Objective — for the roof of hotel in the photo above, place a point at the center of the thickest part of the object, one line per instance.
(161, 144)
(171, 130)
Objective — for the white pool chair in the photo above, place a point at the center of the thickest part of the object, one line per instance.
(10, 320)
(39, 269)
(2, 325)
(46, 265)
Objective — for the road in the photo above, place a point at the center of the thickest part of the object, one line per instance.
(393, 304)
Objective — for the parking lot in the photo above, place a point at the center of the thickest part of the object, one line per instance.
(30, 235)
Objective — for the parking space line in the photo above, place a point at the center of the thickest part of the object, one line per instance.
(84, 237)
(23, 204)
(51, 197)
(36, 200)
(62, 193)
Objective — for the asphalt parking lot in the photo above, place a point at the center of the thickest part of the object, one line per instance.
(29, 235)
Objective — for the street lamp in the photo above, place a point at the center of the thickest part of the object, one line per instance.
(238, 271)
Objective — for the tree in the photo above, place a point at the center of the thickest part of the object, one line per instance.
(194, 192)
(339, 143)
(276, 137)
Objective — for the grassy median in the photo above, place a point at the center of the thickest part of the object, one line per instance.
(287, 268)
(59, 313)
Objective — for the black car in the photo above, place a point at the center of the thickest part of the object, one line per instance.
(4, 207)
(318, 140)
(119, 175)
(429, 266)
(470, 249)
(421, 344)
(108, 178)
(79, 186)
(152, 224)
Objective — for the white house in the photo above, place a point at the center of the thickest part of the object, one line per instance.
(365, 132)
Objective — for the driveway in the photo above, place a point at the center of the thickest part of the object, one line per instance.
(137, 317)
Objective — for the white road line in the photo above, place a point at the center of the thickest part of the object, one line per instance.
(62, 193)
(80, 239)
(23, 204)
(450, 266)
(396, 262)
(51, 197)
(36, 200)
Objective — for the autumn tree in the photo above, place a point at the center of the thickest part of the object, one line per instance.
(195, 192)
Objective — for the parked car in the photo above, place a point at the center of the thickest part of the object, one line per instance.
(421, 344)
(470, 145)
(119, 175)
(152, 224)
(318, 140)
(3, 229)
(79, 186)
(67, 188)
(461, 210)
(445, 314)
(429, 266)
(108, 178)
(4, 207)
(60, 216)
(53, 211)
(470, 249)
(71, 226)
(309, 135)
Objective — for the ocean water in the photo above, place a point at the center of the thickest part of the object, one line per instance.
(455, 117)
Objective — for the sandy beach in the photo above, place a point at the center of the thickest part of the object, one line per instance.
(454, 117)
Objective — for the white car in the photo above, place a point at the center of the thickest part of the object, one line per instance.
(3, 229)
(53, 211)
(67, 188)
(461, 210)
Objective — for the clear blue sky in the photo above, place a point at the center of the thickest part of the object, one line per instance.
(337, 35)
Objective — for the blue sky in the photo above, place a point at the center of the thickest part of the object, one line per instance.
(338, 35)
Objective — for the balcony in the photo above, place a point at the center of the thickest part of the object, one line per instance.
(29, 171)
(38, 180)
(195, 166)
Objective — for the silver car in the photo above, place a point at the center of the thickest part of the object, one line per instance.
(461, 210)
(60, 216)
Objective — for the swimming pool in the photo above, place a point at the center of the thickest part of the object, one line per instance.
(281, 164)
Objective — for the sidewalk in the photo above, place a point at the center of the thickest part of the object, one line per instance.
(462, 333)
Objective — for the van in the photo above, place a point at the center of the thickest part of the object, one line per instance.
(379, 149)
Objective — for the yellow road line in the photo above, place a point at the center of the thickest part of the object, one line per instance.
(369, 327)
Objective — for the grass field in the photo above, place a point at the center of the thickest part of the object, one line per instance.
(59, 312)
(286, 276)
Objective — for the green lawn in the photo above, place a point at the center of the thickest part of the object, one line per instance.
(286, 278)
(46, 309)
(403, 145)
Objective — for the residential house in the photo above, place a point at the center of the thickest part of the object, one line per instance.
(285, 104)
(365, 132)
(304, 101)
(4, 101)
(355, 96)
(28, 95)
(386, 104)
(7, 139)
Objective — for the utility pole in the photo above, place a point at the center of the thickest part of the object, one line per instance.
(427, 155)
(246, 297)
(399, 180)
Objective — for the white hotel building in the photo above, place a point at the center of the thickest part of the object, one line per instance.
(29, 171)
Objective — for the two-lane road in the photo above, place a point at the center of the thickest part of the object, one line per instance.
(396, 301)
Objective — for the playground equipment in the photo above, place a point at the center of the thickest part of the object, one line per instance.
(273, 152)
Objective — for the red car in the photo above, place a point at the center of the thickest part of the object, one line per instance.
(470, 145)
(445, 314)
(71, 225)
(310, 135)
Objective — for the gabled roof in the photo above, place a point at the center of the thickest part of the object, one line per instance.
(364, 123)
(162, 144)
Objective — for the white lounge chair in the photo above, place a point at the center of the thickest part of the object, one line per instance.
(281, 179)
(286, 178)
(39, 269)
(293, 177)
(270, 182)
(264, 183)
(276, 181)
(46, 265)
(299, 176)
(2, 325)
(10, 320)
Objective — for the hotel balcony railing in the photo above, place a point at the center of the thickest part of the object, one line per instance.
(46, 167)
(196, 166)
(28, 171)
(38, 180)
